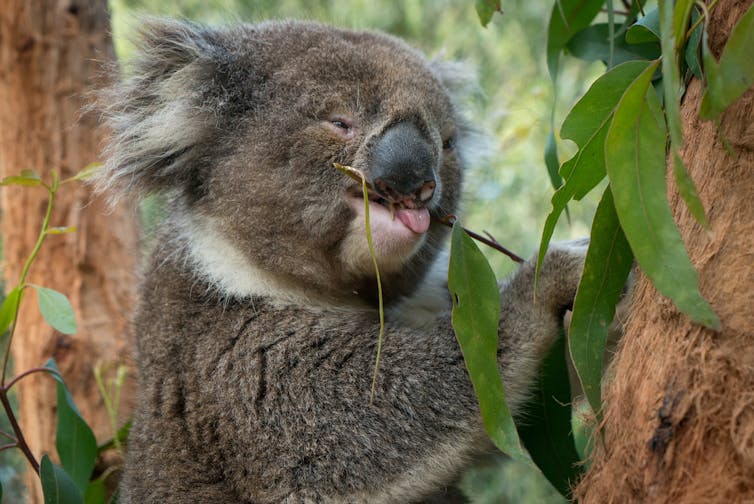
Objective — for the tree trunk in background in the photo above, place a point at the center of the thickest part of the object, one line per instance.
(50, 56)
(679, 418)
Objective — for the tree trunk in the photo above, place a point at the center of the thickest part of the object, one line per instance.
(679, 417)
(51, 52)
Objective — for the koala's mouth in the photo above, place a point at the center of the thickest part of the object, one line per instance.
(386, 215)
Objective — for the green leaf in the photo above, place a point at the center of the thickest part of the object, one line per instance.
(646, 29)
(57, 486)
(673, 22)
(56, 310)
(8, 310)
(87, 172)
(27, 178)
(687, 189)
(547, 432)
(74, 440)
(593, 44)
(485, 9)
(635, 160)
(693, 48)
(587, 125)
(96, 493)
(567, 18)
(729, 79)
(608, 263)
(476, 314)
(61, 230)
(551, 160)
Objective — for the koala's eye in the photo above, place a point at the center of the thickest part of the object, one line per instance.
(338, 123)
(449, 143)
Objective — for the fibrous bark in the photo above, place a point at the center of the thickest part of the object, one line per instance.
(679, 417)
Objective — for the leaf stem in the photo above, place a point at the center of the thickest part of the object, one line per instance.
(25, 271)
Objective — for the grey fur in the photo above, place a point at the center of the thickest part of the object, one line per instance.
(257, 327)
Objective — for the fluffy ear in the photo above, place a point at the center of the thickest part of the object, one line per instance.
(161, 113)
(460, 81)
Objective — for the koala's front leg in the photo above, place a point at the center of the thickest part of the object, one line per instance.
(531, 322)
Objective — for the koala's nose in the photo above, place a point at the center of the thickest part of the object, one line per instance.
(402, 165)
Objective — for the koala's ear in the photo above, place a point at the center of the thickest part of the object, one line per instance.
(459, 79)
(161, 113)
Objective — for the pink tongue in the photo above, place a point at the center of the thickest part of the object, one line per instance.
(416, 220)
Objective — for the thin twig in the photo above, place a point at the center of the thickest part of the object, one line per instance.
(8, 436)
(8, 446)
(21, 441)
(450, 219)
(27, 373)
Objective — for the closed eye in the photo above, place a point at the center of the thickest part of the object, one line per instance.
(342, 127)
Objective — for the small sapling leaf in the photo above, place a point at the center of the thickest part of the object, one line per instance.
(56, 310)
(74, 440)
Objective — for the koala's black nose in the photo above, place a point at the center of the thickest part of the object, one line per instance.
(402, 165)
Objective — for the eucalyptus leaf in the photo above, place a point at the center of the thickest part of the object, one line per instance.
(729, 79)
(567, 18)
(74, 440)
(646, 29)
(8, 309)
(635, 160)
(593, 44)
(57, 486)
(674, 17)
(476, 314)
(56, 310)
(485, 9)
(608, 263)
(587, 124)
(551, 161)
(693, 48)
(96, 493)
(547, 433)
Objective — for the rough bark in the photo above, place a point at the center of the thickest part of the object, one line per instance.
(51, 53)
(679, 421)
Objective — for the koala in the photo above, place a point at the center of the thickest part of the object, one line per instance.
(257, 323)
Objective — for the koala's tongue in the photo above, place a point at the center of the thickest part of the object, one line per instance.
(417, 220)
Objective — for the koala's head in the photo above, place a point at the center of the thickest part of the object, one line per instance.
(242, 127)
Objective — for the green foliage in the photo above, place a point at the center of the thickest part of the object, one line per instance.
(485, 9)
(57, 486)
(734, 74)
(568, 17)
(74, 440)
(587, 125)
(607, 265)
(547, 432)
(635, 160)
(476, 311)
(56, 309)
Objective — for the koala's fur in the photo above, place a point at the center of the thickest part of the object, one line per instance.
(257, 326)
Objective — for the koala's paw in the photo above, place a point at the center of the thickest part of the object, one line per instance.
(561, 272)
